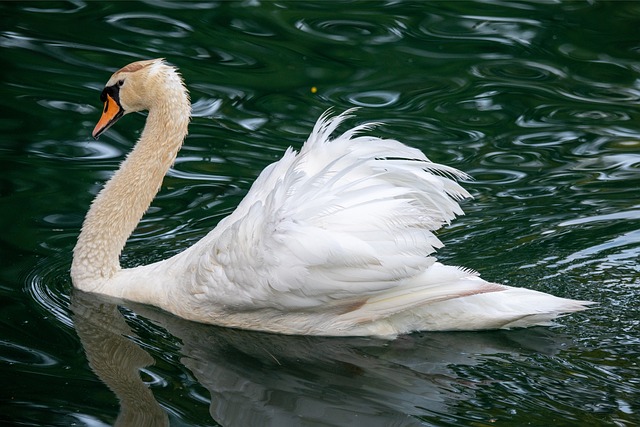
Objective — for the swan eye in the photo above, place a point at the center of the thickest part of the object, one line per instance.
(120, 83)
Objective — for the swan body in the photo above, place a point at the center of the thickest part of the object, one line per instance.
(336, 239)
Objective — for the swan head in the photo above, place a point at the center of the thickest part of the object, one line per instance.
(135, 87)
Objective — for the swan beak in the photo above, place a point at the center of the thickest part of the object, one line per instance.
(111, 113)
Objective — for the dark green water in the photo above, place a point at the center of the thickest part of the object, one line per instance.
(540, 103)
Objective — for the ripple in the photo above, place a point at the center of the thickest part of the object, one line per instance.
(251, 27)
(80, 56)
(233, 58)
(205, 107)
(66, 106)
(218, 91)
(74, 7)
(13, 40)
(496, 176)
(603, 93)
(550, 114)
(604, 65)
(420, 93)
(13, 353)
(528, 159)
(576, 52)
(194, 169)
(351, 31)
(615, 251)
(48, 285)
(517, 70)
(609, 116)
(376, 98)
(62, 221)
(612, 167)
(507, 31)
(181, 5)
(633, 214)
(151, 379)
(545, 139)
(147, 24)
(537, 191)
(475, 113)
(81, 150)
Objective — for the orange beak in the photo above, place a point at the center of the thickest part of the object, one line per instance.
(111, 113)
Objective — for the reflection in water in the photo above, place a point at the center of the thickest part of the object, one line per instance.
(116, 360)
(259, 379)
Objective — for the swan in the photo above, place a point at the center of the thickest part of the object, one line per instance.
(336, 239)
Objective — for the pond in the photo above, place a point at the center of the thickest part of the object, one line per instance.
(538, 101)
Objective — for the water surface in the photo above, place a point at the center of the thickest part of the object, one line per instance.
(538, 102)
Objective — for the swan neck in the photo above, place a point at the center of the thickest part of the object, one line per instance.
(122, 202)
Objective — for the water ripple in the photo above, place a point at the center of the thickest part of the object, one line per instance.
(75, 150)
(75, 6)
(66, 106)
(149, 23)
(12, 353)
(603, 93)
(251, 27)
(351, 31)
(519, 70)
(546, 115)
(626, 215)
(375, 98)
(521, 159)
(496, 176)
(231, 58)
(545, 139)
(48, 285)
(205, 107)
(507, 31)
(622, 250)
(181, 5)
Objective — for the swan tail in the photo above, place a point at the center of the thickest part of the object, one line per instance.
(459, 300)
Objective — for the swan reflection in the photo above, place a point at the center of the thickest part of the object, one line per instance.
(260, 379)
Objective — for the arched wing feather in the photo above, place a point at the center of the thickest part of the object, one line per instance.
(344, 218)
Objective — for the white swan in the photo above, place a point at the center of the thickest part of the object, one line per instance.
(334, 240)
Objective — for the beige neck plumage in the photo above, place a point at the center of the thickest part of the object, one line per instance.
(120, 205)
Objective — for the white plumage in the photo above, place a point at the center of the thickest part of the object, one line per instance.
(334, 240)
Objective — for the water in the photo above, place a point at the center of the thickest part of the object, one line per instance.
(538, 102)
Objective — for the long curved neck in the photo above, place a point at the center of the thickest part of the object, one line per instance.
(120, 205)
